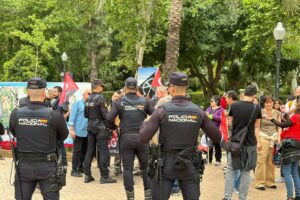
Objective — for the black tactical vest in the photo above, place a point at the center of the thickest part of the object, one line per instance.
(180, 126)
(92, 112)
(33, 131)
(132, 114)
(92, 106)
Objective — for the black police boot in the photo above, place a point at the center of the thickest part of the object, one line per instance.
(147, 194)
(88, 178)
(130, 195)
(75, 173)
(107, 180)
(81, 170)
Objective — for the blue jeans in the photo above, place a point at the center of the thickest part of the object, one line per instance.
(245, 181)
(237, 179)
(291, 177)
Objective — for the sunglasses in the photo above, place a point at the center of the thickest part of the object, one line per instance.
(212, 101)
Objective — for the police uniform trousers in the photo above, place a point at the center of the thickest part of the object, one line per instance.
(103, 161)
(129, 147)
(32, 174)
(79, 151)
(188, 179)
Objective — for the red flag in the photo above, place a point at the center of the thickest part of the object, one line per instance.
(224, 127)
(69, 89)
(156, 80)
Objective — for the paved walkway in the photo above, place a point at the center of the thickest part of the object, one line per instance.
(212, 187)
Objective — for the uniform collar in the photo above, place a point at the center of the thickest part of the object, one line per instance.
(180, 97)
(130, 93)
(37, 103)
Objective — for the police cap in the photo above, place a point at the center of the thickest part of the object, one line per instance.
(131, 83)
(178, 79)
(36, 83)
(97, 82)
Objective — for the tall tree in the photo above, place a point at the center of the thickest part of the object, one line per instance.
(173, 39)
(139, 26)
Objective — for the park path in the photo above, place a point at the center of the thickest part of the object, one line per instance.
(212, 187)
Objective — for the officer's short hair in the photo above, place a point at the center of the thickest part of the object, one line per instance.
(95, 83)
(59, 89)
(250, 90)
(232, 94)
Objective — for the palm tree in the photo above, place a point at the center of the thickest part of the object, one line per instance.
(173, 40)
(290, 6)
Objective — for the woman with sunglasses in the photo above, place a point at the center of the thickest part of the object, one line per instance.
(214, 112)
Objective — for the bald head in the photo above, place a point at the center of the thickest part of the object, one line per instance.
(161, 91)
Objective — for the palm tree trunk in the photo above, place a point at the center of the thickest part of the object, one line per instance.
(173, 40)
(94, 69)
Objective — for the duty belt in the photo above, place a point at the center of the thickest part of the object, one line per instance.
(37, 157)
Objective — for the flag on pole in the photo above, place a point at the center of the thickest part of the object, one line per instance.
(69, 89)
(224, 127)
(156, 80)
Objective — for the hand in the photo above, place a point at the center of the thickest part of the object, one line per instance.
(72, 133)
(259, 147)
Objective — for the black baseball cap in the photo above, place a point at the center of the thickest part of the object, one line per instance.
(131, 83)
(178, 79)
(97, 82)
(36, 83)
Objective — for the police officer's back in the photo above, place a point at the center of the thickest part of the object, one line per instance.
(132, 110)
(37, 130)
(96, 111)
(179, 122)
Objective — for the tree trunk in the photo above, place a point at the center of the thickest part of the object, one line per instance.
(140, 49)
(173, 40)
(145, 14)
(94, 69)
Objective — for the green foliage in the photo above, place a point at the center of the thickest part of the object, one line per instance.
(107, 95)
(224, 44)
(130, 20)
(21, 67)
(199, 98)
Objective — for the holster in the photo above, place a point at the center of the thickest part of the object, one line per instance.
(187, 156)
(198, 161)
(61, 175)
(152, 161)
(52, 184)
(102, 132)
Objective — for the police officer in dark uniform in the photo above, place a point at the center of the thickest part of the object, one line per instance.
(132, 110)
(96, 111)
(179, 122)
(37, 129)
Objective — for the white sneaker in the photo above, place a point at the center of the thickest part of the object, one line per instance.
(217, 163)
(279, 180)
(236, 192)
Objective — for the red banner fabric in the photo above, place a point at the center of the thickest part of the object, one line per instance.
(156, 80)
(224, 126)
(69, 89)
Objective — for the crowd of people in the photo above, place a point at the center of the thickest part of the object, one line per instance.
(272, 128)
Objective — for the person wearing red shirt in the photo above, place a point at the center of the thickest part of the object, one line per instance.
(290, 153)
